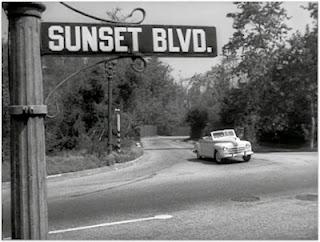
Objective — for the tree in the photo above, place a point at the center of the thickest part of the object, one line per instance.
(151, 97)
(157, 99)
(82, 114)
(260, 32)
(302, 72)
(208, 90)
(197, 119)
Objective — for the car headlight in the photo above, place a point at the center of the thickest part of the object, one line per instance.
(224, 148)
(248, 146)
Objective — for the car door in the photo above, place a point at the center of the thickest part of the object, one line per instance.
(206, 148)
(202, 147)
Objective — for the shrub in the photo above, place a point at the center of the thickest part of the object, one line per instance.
(197, 118)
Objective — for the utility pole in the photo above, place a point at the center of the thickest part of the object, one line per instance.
(109, 68)
(28, 165)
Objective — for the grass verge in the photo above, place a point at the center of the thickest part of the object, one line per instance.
(76, 161)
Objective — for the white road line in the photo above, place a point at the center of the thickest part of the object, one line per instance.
(57, 175)
(160, 217)
(164, 216)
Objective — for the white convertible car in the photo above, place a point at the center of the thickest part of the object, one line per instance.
(223, 144)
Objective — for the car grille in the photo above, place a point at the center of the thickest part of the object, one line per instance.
(236, 150)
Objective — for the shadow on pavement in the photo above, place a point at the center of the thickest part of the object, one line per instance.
(208, 161)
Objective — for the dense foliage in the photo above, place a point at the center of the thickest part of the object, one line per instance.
(266, 86)
(151, 97)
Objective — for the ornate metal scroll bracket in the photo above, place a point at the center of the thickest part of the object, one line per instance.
(141, 10)
(138, 67)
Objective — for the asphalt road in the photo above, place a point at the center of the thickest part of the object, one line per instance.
(274, 196)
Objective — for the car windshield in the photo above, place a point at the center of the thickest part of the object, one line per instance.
(224, 133)
(218, 135)
(229, 133)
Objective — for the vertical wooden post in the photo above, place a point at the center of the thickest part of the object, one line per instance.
(28, 164)
(117, 111)
(109, 68)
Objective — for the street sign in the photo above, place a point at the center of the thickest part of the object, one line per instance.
(86, 39)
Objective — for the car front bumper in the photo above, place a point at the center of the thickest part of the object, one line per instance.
(240, 154)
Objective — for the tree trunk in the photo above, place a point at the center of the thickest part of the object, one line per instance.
(313, 125)
(250, 132)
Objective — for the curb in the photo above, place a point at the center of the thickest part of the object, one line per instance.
(88, 172)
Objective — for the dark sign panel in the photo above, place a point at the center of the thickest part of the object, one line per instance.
(100, 39)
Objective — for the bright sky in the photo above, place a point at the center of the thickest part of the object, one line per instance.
(207, 13)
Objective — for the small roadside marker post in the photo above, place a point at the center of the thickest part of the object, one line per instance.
(117, 111)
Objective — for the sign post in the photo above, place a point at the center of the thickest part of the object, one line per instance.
(28, 164)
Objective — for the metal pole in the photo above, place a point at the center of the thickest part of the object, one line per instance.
(117, 111)
(28, 165)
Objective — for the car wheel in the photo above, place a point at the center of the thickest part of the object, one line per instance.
(217, 157)
(246, 158)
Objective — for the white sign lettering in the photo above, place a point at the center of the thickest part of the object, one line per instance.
(163, 39)
(99, 39)
(86, 38)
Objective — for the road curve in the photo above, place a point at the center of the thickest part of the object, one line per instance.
(274, 196)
